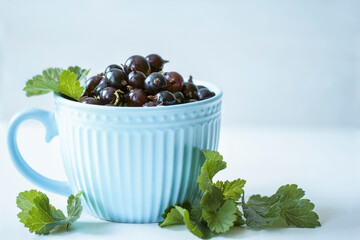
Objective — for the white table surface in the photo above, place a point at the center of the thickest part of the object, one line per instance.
(323, 161)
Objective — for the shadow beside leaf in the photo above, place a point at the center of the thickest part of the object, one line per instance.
(90, 228)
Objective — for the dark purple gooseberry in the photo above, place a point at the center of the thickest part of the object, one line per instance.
(138, 63)
(179, 97)
(137, 98)
(89, 100)
(100, 87)
(200, 87)
(108, 96)
(190, 90)
(165, 98)
(136, 79)
(156, 62)
(116, 78)
(91, 83)
(112, 66)
(154, 83)
(175, 82)
(150, 104)
(205, 93)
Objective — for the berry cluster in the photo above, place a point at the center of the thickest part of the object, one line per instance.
(141, 82)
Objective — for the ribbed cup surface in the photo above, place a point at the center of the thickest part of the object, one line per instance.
(132, 163)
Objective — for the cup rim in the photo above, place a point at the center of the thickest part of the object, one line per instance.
(218, 95)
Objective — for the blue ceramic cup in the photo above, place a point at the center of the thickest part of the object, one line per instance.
(131, 162)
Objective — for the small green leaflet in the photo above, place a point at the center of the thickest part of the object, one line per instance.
(40, 216)
(52, 74)
(25, 201)
(222, 219)
(69, 86)
(80, 74)
(213, 164)
(49, 81)
(297, 212)
(212, 200)
(74, 208)
(231, 190)
(239, 220)
(179, 215)
(173, 217)
(45, 83)
(197, 228)
(286, 203)
(260, 212)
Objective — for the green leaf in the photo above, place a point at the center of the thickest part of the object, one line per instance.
(260, 211)
(80, 73)
(173, 217)
(45, 83)
(212, 200)
(213, 164)
(222, 219)
(232, 190)
(69, 86)
(52, 74)
(185, 205)
(296, 211)
(239, 220)
(286, 203)
(179, 215)
(40, 216)
(43, 217)
(49, 81)
(25, 201)
(196, 228)
(74, 208)
(196, 213)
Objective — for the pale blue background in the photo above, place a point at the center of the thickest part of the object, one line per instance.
(278, 62)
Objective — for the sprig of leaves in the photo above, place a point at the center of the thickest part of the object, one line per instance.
(218, 209)
(69, 82)
(41, 217)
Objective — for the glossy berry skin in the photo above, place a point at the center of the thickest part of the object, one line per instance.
(190, 90)
(100, 87)
(165, 98)
(150, 104)
(112, 66)
(138, 63)
(137, 98)
(116, 78)
(179, 97)
(156, 62)
(175, 82)
(205, 93)
(136, 79)
(89, 100)
(91, 83)
(107, 95)
(155, 83)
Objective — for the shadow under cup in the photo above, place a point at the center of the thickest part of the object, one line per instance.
(132, 163)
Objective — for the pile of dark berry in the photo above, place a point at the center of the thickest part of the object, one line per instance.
(141, 82)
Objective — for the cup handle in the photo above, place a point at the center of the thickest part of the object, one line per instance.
(48, 119)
